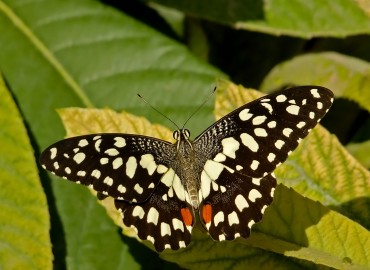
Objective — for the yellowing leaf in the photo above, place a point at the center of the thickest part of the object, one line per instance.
(24, 218)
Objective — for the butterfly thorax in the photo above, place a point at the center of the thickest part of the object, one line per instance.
(185, 165)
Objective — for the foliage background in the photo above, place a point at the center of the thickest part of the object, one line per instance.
(98, 54)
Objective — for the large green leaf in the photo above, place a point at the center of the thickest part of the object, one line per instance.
(80, 53)
(347, 76)
(24, 219)
(298, 18)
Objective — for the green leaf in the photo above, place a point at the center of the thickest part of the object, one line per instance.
(24, 227)
(299, 18)
(360, 151)
(81, 53)
(347, 76)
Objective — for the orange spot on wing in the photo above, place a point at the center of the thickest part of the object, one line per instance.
(187, 217)
(207, 213)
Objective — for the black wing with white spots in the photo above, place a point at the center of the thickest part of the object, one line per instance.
(258, 136)
(243, 148)
(122, 166)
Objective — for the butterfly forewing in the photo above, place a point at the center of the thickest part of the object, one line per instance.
(122, 166)
(257, 137)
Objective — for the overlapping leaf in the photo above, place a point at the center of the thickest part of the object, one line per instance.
(24, 220)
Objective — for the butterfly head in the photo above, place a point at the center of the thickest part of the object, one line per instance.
(181, 134)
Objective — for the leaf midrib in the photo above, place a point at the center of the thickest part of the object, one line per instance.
(46, 53)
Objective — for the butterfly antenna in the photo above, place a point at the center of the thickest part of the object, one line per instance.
(200, 106)
(147, 103)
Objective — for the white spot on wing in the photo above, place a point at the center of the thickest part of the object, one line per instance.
(281, 98)
(319, 105)
(260, 132)
(153, 215)
(271, 157)
(111, 152)
(268, 107)
(249, 142)
(272, 192)
(131, 166)
(244, 115)
(56, 165)
(315, 93)
(97, 145)
(205, 184)
(120, 142)
(219, 157)
(121, 189)
(293, 109)
(219, 217)
(178, 188)
(230, 146)
(104, 161)
(178, 224)
(96, 173)
(241, 202)
(53, 153)
(161, 169)
(83, 143)
(168, 177)
(138, 189)
(251, 223)
(233, 218)
(81, 173)
(117, 163)
(258, 120)
(165, 229)
(108, 180)
(287, 131)
(256, 181)
(301, 124)
(138, 212)
(272, 124)
(254, 165)
(254, 194)
(147, 162)
(279, 144)
(213, 169)
(79, 157)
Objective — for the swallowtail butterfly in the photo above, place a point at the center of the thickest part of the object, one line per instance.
(225, 174)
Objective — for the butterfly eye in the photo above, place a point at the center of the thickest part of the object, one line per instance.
(176, 135)
(186, 133)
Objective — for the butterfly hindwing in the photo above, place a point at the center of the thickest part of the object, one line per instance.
(122, 166)
(235, 202)
(160, 219)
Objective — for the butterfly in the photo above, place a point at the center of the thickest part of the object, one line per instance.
(225, 174)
